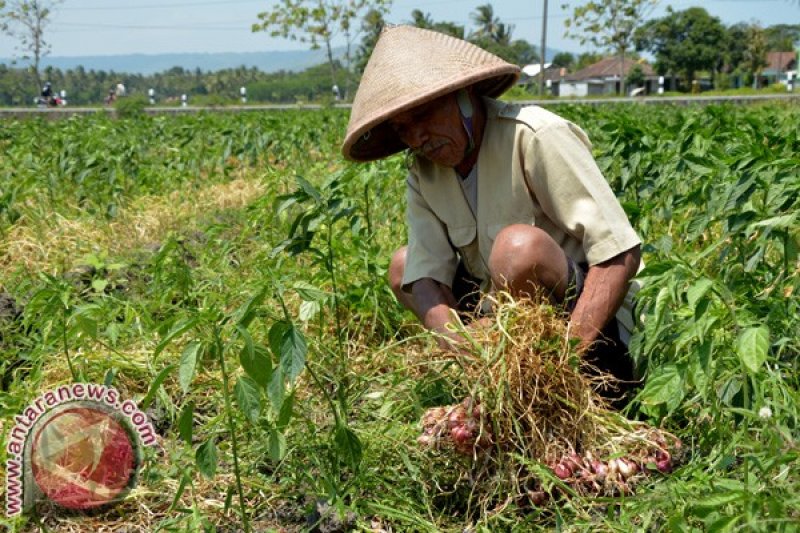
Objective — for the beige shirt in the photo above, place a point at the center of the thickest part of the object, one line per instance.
(534, 168)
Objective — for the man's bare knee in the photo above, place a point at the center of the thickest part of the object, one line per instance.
(397, 267)
(525, 258)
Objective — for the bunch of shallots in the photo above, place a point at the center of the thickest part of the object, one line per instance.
(530, 401)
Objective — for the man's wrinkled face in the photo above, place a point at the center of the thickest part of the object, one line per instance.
(434, 131)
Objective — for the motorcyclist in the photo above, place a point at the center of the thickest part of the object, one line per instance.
(47, 94)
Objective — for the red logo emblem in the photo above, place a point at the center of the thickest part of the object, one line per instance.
(84, 457)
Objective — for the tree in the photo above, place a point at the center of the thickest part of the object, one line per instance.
(522, 52)
(496, 37)
(490, 29)
(563, 59)
(755, 54)
(683, 42)
(26, 20)
(319, 22)
(735, 46)
(609, 25)
(781, 37)
(424, 21)
(372, 26)
(635, 77)
(421, 19)
(486, 21)
(587, 58)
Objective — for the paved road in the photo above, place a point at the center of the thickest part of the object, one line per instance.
(62, 112)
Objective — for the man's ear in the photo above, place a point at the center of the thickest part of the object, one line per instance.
(464, 99)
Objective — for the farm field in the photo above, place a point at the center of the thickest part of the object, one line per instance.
(227, 272)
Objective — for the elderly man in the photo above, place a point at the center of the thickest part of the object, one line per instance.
(499, 196)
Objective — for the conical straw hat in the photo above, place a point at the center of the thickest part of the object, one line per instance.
(409, 67)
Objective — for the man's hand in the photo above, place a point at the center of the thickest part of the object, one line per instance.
(435, 306)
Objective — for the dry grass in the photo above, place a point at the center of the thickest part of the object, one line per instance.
(53, 244)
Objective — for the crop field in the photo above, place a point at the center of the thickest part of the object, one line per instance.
(227, 272)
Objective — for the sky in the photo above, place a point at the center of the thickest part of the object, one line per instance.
(103, 27)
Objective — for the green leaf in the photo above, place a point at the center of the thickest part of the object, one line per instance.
(697, 291)
(293, 353)
(257, 364)
(249, 346)
(349, 446)
(87, 319)
(151, 393)
(185, 422)
(112, 332)
(752, 345)
(697, 165)
(188, 364)
(665, 387)
(206, 458)
(276, 333)
(783, 221)
(715, 501)
(99, 285)
(704, 352)
(309, 189)
(308, 292)
(181, 327)
(286, 412)
(289, 346)
(308, 310)
(248, 397)
(228, 498)
(723, 524)
(178, 493)
(727, 391)
(275, 390)
(109, 379)
(246, 313)
(277, 445)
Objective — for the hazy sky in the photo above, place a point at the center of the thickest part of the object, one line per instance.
(102, 27)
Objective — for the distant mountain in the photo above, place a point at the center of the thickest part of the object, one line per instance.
(296, 60)
(151, 63)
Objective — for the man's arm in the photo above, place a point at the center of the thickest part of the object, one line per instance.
(433, 303)
(604, 290)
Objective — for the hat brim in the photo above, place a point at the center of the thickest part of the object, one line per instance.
(375, 139)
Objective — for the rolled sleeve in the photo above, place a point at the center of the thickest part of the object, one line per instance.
(430, 254)
(574, 194)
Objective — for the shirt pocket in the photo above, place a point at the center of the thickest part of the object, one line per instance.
(461, 236)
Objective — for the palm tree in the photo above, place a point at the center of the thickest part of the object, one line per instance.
(421, 20)
(486, 21)
(502, 34)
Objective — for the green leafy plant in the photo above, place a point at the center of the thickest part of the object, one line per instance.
(130, 106)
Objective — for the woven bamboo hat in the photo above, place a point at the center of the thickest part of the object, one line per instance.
(409, 67)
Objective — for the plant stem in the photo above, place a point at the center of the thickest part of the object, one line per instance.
(342, 381)
(325, 394)
(332, 272)
(366, 210)
(231, 430)
(66, 347)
